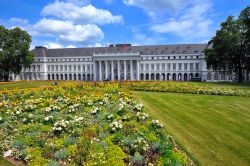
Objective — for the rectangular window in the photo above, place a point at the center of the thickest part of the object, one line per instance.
(56, 68)
(65, 67)
(38, 67)
(197, 66)
(152, 66)
(74, 67)
(48, 67)
(169, 66)
(185, 66)
(191, 66)
(52, 67)
(141, 66)
(157, 66)
(70, 68)
(147, 67)
(163, 66)
(180, 66)
(174, 66)
(79, 67)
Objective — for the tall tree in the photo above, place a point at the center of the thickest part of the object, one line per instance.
(228, 50)
(14, 51)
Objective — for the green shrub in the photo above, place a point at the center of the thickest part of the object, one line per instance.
(138, 159)
(53, 163)
(115, 155)
(62, 154)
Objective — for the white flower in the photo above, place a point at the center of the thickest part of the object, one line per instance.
(30, 116)
(1, 118)
(7, 153)
(18, 112)
(46, 118)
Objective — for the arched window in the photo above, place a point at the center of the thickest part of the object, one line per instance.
(158, 76)
(174, 77)
(142, 77)
(147, 76)
(152, 77)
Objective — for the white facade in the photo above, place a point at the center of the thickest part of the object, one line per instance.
(123, 65)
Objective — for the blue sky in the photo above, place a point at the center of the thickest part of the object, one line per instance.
(87, 23)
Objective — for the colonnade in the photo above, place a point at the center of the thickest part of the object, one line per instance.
(117, 70)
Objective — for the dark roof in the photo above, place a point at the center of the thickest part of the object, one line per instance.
(143, 50)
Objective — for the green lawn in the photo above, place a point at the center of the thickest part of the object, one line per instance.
(31, 84)
(213, 130)
(4, 162)
(244, 85)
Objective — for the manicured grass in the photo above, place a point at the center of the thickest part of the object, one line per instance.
(4, 162)
(214, 130)
(28, 84)
(234, 85)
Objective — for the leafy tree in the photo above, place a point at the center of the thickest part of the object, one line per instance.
(14, 51)
(229, 49)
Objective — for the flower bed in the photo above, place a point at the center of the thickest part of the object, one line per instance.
(82, 124)
(182, 87)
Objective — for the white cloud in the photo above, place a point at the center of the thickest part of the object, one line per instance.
(83, 34)
(68, 32)
(79, 2)
(53, 27)
(152, 6)
(192, 23)
(71, 46)
(18, 21)
(80, 15)
(53, 45)
(97, 45)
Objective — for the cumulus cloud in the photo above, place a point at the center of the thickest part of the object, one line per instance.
(18, 21)
(71, 46)
(192, 23)
(152, 6)
(53, 45)
(66, 31)
(79, 2)
(53, 27)
(80, 15)
(83, 34)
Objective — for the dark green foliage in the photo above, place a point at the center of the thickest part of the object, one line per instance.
(230, 46)
(14, 51)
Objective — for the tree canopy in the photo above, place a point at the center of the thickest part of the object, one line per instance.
(229, 49)
(14, 51)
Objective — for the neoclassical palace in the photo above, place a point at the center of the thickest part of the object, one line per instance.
(184, 62)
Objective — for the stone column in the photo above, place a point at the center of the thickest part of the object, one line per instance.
(106, 69)
(138, 70)
(100, 70)
(112, 70)
(125, 70)
(131, 70)
(118, 70)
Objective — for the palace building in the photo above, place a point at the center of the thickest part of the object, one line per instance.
(184, 62)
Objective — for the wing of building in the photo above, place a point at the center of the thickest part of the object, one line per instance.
(184, 62)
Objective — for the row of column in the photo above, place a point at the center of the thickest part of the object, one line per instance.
(119, 63)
